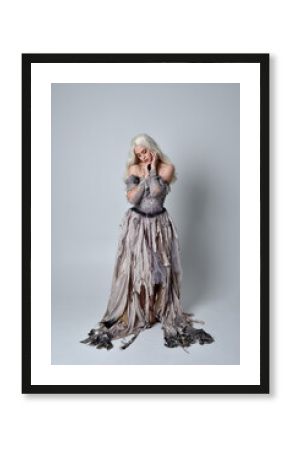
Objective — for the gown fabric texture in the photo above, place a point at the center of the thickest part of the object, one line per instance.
(147, 274)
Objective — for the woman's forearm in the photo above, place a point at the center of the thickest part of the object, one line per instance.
(154, 185)
(134, 195)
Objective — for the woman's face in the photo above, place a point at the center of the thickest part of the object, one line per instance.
(143, 154)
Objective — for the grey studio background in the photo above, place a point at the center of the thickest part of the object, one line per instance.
(197, 127)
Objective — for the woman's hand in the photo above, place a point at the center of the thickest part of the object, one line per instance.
(154, 160)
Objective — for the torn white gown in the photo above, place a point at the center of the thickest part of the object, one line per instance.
(147, 274)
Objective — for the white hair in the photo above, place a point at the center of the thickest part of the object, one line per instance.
(148, 142)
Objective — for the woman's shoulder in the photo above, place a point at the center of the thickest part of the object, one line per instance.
(132, 177)
(166, 171)
(134, 170)
(166, 166)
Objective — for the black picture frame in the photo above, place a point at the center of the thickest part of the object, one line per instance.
(263, 60)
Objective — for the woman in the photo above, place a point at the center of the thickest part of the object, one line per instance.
(147, 274)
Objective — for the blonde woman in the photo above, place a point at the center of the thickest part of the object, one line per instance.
(147, 274)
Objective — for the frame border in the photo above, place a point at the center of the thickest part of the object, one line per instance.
(263, 60)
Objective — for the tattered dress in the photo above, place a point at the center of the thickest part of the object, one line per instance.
(147, 274)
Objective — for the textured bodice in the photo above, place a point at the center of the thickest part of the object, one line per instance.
(150, 194)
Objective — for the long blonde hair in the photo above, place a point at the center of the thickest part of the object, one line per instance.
(148, 142)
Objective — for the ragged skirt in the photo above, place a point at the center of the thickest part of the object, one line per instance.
(146, 286)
